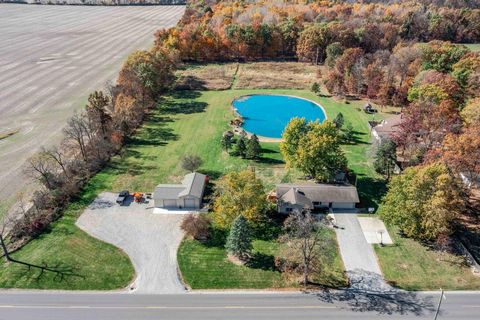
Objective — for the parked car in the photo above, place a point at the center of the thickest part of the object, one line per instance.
(369, 109)
(122, 196)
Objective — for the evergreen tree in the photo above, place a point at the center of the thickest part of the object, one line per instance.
(348, 133)
(254, 149)
(226, 142)
(241, 147)
(385, 158)
(315, 88)
(339, 120)
(239, 242)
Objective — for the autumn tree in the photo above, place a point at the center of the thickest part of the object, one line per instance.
(239, 193)
(294, 131)
(471, 113)
(333, 51)
(312, 43)
(319, 154)
(462, 152)
(196, 225)
(423, 202)
(441, 56)
(97, 112)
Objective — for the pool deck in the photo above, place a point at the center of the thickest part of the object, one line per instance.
(237, 130)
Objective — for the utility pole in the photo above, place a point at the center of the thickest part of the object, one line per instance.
(439, 304)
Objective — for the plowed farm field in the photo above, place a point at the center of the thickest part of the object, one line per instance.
(51, 58)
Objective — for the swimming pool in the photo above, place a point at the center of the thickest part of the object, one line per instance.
(268, 115)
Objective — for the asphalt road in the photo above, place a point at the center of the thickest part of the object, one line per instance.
(334, 305)
(51, 58)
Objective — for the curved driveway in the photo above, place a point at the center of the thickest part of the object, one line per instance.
(150, 240)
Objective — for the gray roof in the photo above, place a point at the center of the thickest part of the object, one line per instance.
(192, 185)
(295, 196)
(388, 127)
(322, 192)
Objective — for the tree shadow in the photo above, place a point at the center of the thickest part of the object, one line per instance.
(190, 83)
(261, 261)
(183, 94)
(371, 191)
(60, 271)
(369, 293)
(183, 107)
(218, 238)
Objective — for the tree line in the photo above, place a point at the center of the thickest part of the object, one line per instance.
(249, 30)
(91, 138)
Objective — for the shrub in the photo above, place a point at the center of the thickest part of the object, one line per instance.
(197, 226)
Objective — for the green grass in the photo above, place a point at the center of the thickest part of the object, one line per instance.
(410, 265)
(96, 265)
(185, 122)
(473, 46)
(205, 266)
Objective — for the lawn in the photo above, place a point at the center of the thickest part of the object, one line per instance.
(95, 265)
(205, 266)
(473, 46)
(185, 122)
(413, 266)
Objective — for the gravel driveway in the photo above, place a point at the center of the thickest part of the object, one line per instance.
(150, 240)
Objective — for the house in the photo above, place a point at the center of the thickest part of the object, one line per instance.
(312, 196)
(387, 128)
(188, 194)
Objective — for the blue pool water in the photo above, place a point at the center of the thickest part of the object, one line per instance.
(268, 115)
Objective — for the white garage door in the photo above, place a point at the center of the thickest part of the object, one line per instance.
(190, 203)
(170, 203)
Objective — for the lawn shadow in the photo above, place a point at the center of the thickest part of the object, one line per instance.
(182, 94)
(262, 261)
(218, 238)
(190, 83)
(370, 190)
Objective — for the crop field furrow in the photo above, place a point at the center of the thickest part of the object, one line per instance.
(51, 58)
(109, 44)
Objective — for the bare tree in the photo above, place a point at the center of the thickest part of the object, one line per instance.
(303, 240)
(57, 155)
(76, 131)
(42, 167)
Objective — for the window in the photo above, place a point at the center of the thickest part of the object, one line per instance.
(316, 203)
(289, 209)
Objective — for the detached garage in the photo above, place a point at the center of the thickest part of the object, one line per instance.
(187, 195)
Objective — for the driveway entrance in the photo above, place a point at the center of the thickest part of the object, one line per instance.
(150, 240)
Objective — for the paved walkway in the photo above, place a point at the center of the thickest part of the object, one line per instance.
(150, 240)
(358, 256)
